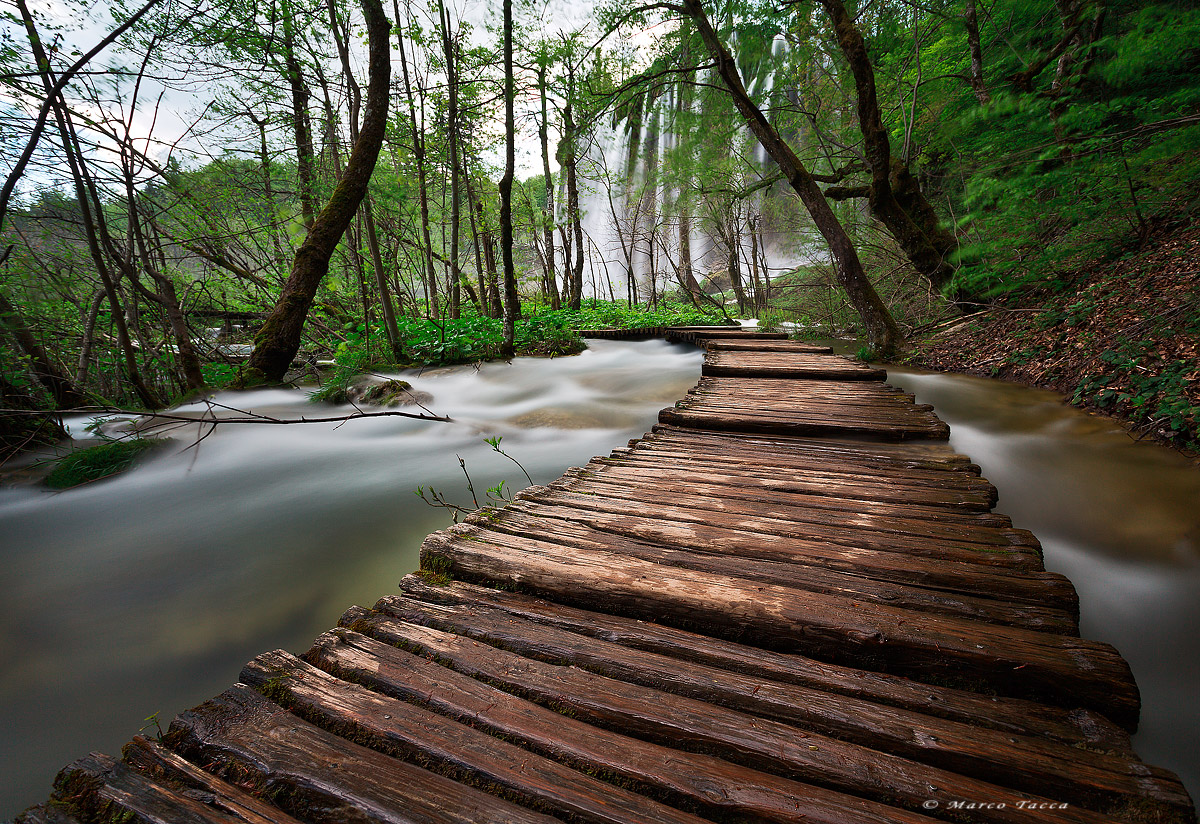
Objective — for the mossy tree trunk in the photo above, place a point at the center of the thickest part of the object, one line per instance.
(277, 342)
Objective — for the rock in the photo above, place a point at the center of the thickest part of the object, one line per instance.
(388, 393)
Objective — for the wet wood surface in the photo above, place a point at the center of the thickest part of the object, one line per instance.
(789, 602)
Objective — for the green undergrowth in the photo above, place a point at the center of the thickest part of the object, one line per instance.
(98, 462)
(472, 338)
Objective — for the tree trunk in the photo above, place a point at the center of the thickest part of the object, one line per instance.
(882, 333)
(430, 274)
(975, 78)
(925, 245)
(452, 127)
(65, 395)
(512, 305)
(301, 124)
(568, 160)
(548, 181)
(279, 339)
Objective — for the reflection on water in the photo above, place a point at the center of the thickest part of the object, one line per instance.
(1120, 519)
(147, 592)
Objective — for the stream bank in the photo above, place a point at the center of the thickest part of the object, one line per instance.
(1122, 338)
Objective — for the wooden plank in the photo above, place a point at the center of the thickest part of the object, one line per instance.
(976, 497)
(797, 576)
(1028, 764)
(907, 537)
(1035, 587)
(315, 774)
(936, 456)
(753, 741)
(1067, 671)
(741, 462)
(760, 364)
(100, 788)
(972, 531)
(809, 424)
(399, 728)
(1004, 714)
(723, 332)
(734, 345)
(717, 787)
(155, 760)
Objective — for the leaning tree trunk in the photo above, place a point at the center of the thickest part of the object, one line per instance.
(895, 198)
(279, 339)
(48, 374)
(882, 333)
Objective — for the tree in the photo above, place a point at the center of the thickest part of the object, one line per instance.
(278, 341)
(883, 334)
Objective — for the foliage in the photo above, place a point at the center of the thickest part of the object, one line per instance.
(100, 461)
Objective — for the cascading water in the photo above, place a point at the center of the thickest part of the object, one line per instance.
(146, 592)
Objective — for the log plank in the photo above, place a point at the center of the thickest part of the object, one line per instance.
(1025, 763)
(684, 778)
(317, 775)
(1033, 587)
(915, 454)
(797, 576)
(1013, 715)
(155, 760)
(977, 497)
(811, 425)
(997, 549)
(1023, 663)
(399, 728)
(97, 787)
(735, 345)
(660, 717)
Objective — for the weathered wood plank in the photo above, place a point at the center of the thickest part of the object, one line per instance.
(100, 788)
(807, 425)
(155, 760)
(917, 530)
(990, 548)
(1034, 587)
(977, 497)
(1029, 764)
(913, 454)
(762, 364)
(734, 464)
(1011, 715)
(684, 778)
(734, 345)
(316, 775)
(402, 729)
(797, 576)
(1068, 671)
(664, 717)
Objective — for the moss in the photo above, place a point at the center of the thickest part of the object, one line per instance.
(98, 462)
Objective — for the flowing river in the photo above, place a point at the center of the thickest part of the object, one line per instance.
(145, 593)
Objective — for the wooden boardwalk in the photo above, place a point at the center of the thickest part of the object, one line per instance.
(790, 602)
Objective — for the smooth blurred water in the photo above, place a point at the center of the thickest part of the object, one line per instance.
(1121, 519)
(147, 592)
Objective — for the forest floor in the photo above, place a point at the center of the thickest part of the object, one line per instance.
(1121, 338)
